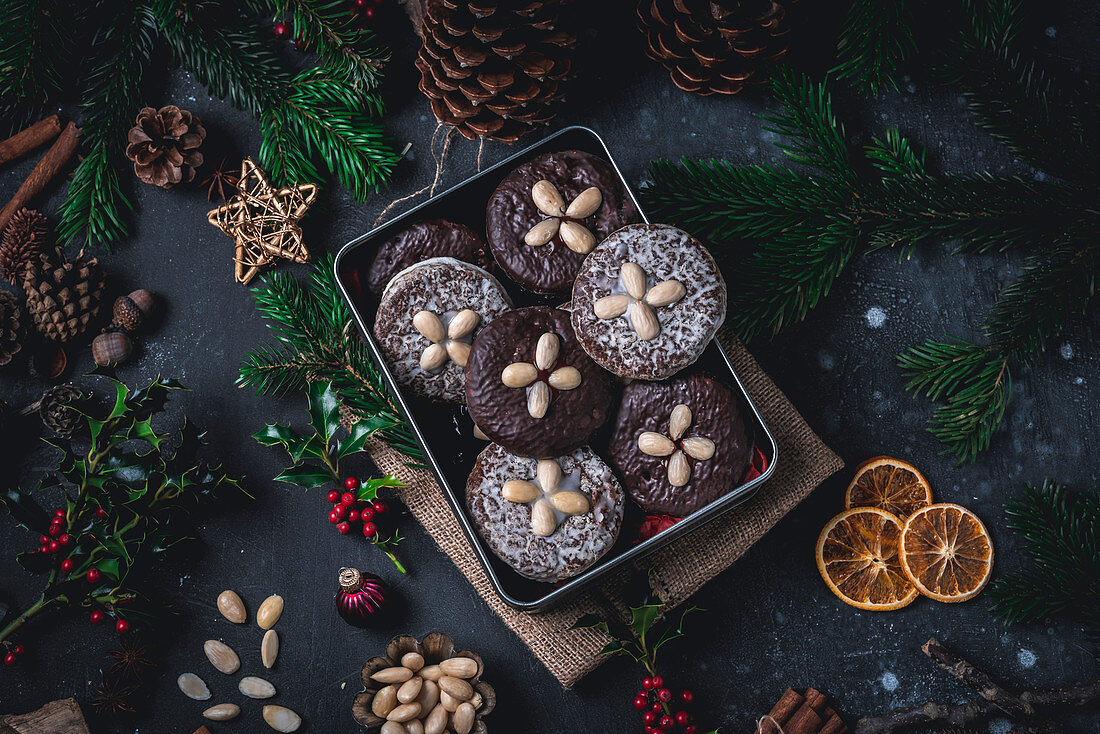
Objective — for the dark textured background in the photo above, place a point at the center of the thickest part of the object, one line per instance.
(772, 622)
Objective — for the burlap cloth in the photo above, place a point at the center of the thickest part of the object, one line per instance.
(803, 463)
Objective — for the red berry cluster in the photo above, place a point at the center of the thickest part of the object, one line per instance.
(13, 655)
(56, 538)
(347, 512)
(364, 11)
(656, 704)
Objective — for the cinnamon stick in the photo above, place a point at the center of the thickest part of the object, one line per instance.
(25, 141)
(50, 165)
(833, 723)
(808, 718)
(781, 712)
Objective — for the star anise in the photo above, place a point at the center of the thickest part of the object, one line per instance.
(112, 700)
(219, 181)
(131, 658)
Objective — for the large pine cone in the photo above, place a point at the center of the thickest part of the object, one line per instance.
(63, 295)
(714, 47)
(164, 145)
(11, 326)
(24, 239)
(495, 68)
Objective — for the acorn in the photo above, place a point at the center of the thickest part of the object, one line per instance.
(130, 311)
(111, 348)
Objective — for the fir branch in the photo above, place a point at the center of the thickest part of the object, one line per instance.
(37, 42)
(875, 40)
(1061, 534)
(94, 204)
(805, 117)
(345, 50)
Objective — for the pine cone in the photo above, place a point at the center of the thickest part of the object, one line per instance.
(24, 238)
(11, 326)
(63, 295)
(164, 145)
(494, 68)
(714, 47)
(55, 412)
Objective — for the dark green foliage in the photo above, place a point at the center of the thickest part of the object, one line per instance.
(317, 340)
(794, 233)
(1061, 534)
(148, 483)
(348, 52)
(876, 39)
(36, 45)
(317, 454)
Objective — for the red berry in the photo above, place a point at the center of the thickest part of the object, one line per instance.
(360, 3)
(55, 530)
(686, 696)
(340, 511)
(369, 529)
(665, 695)
(647, 683)
(351, 483)
(666, 722)
(690, 729)
(96, 616)
(67, 565)
(44, 548)
(333, 496)
(54, 546)
(379, 507)
(640, 703)
(348, 499)
(658, 707)
(658, 682)
(353, 516)
(368, 14)
(18, 650)
(344, 528)
(649, 717)
(59, 513)
(43, 540)
(683, 718)
(100, 513)
(641, 694)
(300, 44)
(281, 29)
(92, 575)
(333, 517)
(65, 539)
(366, 514)
(9, 659)
(652, 730)
(122, 626)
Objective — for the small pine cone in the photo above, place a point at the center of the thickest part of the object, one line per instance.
(55, 412)
(24, 238)
(11, 327)
(164, 145)
(712, 47)
(63, 295)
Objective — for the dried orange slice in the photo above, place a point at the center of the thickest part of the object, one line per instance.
(946, 552)
(857, 555)
(888, 484)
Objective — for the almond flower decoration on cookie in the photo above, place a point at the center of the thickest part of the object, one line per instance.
(544, 492)
(446, 343)
(564, 220)
(539, 377)
(638, 301)
(676, 445)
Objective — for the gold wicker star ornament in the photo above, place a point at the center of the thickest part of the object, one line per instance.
(263, 221)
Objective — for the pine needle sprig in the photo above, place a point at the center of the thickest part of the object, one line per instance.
(344, 49)
(1061, 534)
(875, 41)
(38, 39)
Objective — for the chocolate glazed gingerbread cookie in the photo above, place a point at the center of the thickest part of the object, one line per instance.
(421, 241)
(531, 388)
(679, 444)
(549, 213)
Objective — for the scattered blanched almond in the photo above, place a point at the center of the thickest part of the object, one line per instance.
(565, 378)
(410, 689)
(461, 667)
(396, 674)
(542, 232)
(404, 712)
(392, 727)
(428, 697)
(464, 322)
(449, 702)
(384, 701)
(269, 648)
(221, 656)
(193, 687)
(463, 719)
(414, 726)
(254, 687)
(269, 612)
(414, 661)
(231, 606)
(430, 672)
(437, 720)
(280, 718)
(456, 687)
(222, 712)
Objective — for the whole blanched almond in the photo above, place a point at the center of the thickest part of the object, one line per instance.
(404, 712)
(464, 322)
(565, 378)
(546, 351)
(548, 199)
(476, 701)
(393, 727)
(280, 718)
(430, 672)
(428, 697)
(459, 352)
(396, 674)
(698, 448)
(437, 720)
(449, 702)
(222, 712)
(655, 444)
(429, 326)
(571, 503)
(611, 307)
(577, 237)
(542, 232)
(221, 656)
(456, 687)
(679, 421)
(269, 648)
(665, 293)
(679, 471)
(254, 687)
(543, 524)
(538, 400)
(461, 667)
(516, 490)
(193, 687)
(414, 661)
(586, 203)
(414, 726)
(519, 374)
(384, 701)
(633, 280)
(433, 357)
(548, 473)
(463, 720)
(644, 321)
(410, 689)
(231, 606)
(269, 612)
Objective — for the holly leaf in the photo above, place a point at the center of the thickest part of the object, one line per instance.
(368, 490)
(589, 621)
(26, 512)
(353, 444)
(674, 629)
(643, 616)
(324, 410)
(306, 475)
(612, 648)
(35, 562)
(297, 445)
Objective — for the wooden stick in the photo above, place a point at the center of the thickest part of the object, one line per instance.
(25, 141)
(977, 679)
(833, 724)
(50, 165)
(808, 719)
(782, 711)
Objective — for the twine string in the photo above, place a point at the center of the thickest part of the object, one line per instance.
(768, 717)
(439, 159)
